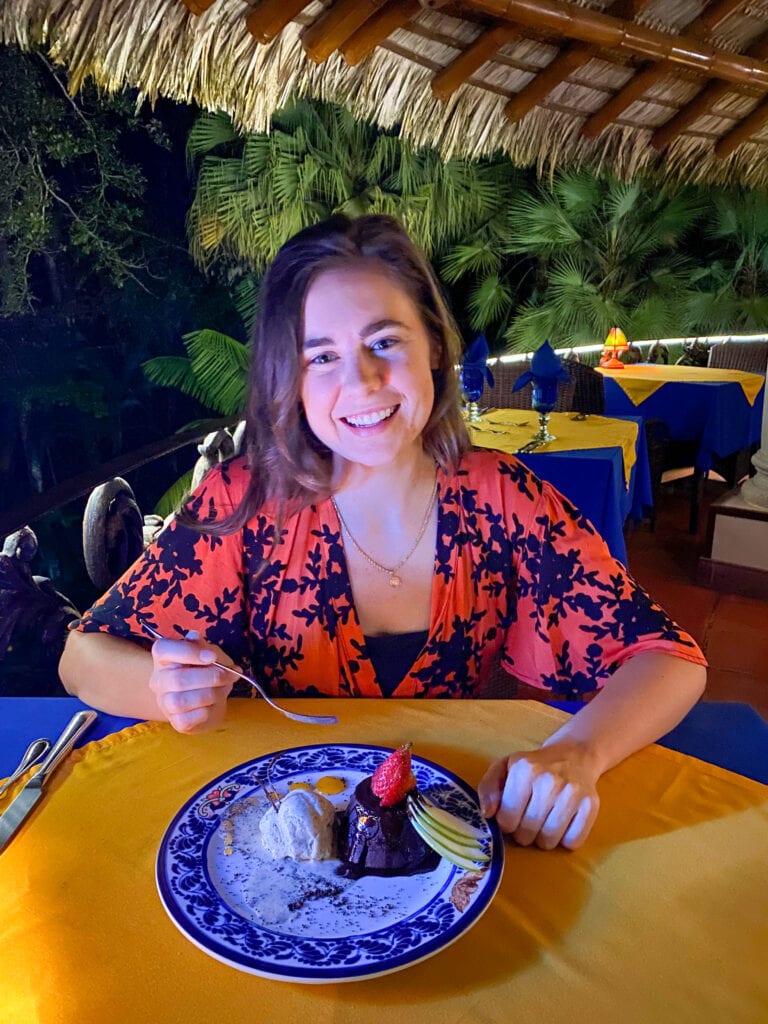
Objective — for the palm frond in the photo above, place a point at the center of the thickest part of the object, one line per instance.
(256, 155)
(172, 500)
(656, 317)
(171, 372)
(620, 201)
(531, 327)
(489, 303)
(478, 259)
(245, 297)
(539, 225)
(578, 194)
(713, 312)
(753, 312)
(220, 366)
(208, 132)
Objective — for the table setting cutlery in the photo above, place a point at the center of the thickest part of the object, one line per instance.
(33, 790)
(489, 430)
(311, 719)
(505, 423)
(531, 446)
(31, 756)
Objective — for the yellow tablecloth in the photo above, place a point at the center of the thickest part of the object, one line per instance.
(640, 382)
(662, 916)
(509, 429)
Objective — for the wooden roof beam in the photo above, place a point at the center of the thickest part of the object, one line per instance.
(377, 28)
(650, 74)
(635, 89)
(713, 16)
(591, 26)
(571, 57)
(198, 6)
(269, 17)
(744, 130)
(704, 101)
(333, 28)
(464, 66)
(701, 104)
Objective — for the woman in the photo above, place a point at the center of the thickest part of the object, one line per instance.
(361, 549)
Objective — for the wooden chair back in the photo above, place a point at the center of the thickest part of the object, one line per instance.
(501, 395)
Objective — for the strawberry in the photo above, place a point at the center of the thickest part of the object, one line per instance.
(394, 779)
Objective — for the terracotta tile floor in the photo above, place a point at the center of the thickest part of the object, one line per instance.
(732, 630)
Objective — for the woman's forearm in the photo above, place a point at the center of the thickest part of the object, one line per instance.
(110, 674)
(645, 698)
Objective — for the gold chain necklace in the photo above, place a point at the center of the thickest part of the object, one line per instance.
(394, 579)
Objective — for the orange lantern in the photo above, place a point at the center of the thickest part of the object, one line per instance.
(615, 342)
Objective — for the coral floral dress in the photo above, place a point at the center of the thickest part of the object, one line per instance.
(519, 574)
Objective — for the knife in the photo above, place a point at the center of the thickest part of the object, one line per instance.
(32, 791)
(529, 447)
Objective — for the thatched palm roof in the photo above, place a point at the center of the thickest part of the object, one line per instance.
(680, 85)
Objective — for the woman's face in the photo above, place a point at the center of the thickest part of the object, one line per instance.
(367, 385)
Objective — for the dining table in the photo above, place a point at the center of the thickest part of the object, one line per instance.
(661, 915)
(599, 463)
(720, 410)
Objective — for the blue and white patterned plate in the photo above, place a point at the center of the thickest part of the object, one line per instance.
(301, 921)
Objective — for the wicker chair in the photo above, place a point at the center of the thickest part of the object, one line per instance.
(589, 394)
(751, 356)
(502, 396)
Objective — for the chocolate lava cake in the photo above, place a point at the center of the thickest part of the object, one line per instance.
(375, 835)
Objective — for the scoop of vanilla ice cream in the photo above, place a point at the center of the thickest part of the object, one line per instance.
(301, 828)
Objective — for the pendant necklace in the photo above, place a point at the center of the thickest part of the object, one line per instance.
(394, 579)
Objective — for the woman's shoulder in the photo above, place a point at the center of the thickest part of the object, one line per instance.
(220, 491)
(496, 477)
(485, 465)
(228, 479)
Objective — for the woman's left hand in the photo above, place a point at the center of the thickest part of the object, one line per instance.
(546, 796)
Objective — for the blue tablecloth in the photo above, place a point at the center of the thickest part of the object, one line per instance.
(593, 480)
(716, 415)
(727, 734)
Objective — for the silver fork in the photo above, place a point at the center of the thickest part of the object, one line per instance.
(313, 719)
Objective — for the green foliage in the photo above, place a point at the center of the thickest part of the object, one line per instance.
(734, 283)
(214, 372)
(607, 252)
(254, 192)
(171, 500)
(66, 190)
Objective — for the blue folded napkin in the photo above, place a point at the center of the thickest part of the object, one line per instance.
(546, 374)
(474, 367)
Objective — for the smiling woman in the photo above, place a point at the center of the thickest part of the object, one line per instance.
(367, 388)
(358, 485)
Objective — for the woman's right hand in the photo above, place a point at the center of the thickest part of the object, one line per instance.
(190, 690)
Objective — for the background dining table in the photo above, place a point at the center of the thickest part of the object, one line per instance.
(600, 464)
(720, 410)
(661, 916)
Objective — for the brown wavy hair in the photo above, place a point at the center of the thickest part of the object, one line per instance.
(288, 465)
